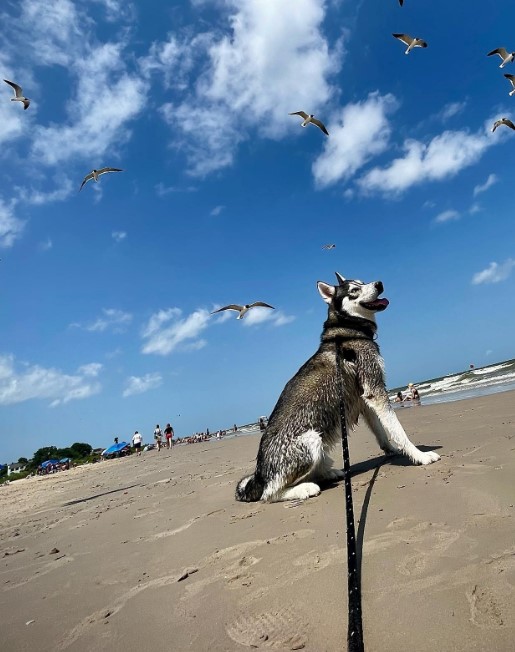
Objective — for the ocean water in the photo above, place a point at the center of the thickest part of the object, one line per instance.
(471, 383)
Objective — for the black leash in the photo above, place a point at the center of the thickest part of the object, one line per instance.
(355, 623)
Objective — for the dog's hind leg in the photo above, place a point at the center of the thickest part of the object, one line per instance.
(389, 432)
(295, 465)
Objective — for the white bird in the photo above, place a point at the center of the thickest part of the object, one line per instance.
(310, 118)
(507, 57)
(243, 309)
(329, 246)
(18, 94)
(503, 121)
(410, 42)
(512, 82)
(94, 174)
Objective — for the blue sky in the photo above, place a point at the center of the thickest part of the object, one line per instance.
(105, 295)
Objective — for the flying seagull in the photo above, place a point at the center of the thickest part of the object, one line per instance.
(18, 94)
(503, 121)
(507, 57)
(512, 81)
(310, 119)
(243, 309)
(410, 42)
(329, 246)
(94, 174)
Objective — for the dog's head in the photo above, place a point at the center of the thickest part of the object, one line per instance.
(354, 298)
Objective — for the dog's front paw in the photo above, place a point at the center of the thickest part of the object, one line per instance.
(427, 458)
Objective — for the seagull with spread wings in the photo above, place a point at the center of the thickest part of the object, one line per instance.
(94, 174)
(410, 41)
(310, 119)
(511, 79)
(244, 309)
(329, 246)
(507, 57)
(18, 94)
(503, 121)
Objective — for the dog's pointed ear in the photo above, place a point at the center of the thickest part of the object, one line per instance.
(339, 278)
(326, 291)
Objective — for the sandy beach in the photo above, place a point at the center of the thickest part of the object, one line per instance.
(153, 552)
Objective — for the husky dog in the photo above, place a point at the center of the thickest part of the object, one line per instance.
(304, 425)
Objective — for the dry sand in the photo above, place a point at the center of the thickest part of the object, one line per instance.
(438, 551)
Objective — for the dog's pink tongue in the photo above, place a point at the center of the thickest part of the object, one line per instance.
(382, 302)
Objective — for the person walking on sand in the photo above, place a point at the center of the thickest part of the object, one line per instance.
(169, 434)
(157, 436)
(136, 442)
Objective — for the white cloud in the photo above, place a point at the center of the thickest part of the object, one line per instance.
(475, 208)
(112, 319)
(451, 109)
(444, 156)
(360, 132)
(141, 384)
(97, 121)
(166, 331)
(35, 382)
(92, 369)
(265, 315)
(45, 245)
(163, 190)
(11, 227)
(482, 187)
(494, 273)
(272, 59)
(119, 236)
(447, 216)
(39, 197)
(217, 210)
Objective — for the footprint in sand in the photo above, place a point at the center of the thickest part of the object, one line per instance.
(282, 630)
(485, 608)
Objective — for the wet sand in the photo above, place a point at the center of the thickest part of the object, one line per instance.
(154, 553)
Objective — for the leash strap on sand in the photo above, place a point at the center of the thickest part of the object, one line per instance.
(355, 624)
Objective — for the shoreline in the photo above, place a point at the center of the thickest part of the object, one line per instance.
(154, 551)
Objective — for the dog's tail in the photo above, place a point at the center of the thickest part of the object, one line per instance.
(249, 489)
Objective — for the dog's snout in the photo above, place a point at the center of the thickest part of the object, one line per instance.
(379, 286)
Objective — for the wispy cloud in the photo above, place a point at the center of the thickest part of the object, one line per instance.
(359, 133)
(119, 236)
(450, 110)
(163, 190)
(494, 273)
(45, 245)
(11, 227)
(22, 382)
(482, 187)
(447, 216)
(141, 384)
(112, 318)
(167, 330)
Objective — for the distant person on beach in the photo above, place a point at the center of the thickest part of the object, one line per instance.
(157, 436)
(413, 394)
(136, 442)
(399, 398)
(169, 434)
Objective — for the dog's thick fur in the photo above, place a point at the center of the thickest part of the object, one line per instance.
(304, 425)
